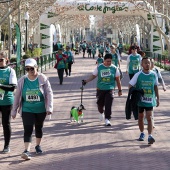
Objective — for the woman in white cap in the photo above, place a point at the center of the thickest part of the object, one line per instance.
(33, 100)
(8, 82)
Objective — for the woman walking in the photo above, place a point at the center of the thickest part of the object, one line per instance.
(8, 82)
(69, 61)
(61, 64)
(33, 100)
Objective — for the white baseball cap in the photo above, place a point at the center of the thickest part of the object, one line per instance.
(30, 62)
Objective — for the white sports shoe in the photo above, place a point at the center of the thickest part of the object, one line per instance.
(107, 122)
(101, 117)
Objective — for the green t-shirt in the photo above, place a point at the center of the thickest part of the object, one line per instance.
(61, 63)
(134, 64)
(99, 61)
(70, 56)
(32, 98)
(6, 97)
(101, 49)
(115, 59)
(147, 83)
(106, 77)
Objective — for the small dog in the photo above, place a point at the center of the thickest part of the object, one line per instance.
(76, 114)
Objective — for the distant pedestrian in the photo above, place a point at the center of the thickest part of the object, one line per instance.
(99, 59)
(69, 60)
(133, 63)
(60, 64)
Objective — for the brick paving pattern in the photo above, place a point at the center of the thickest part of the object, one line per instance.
(91, 145)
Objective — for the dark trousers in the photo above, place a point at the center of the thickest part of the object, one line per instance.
(84, 51)
(89, 53)
(29, 121)
(105, 99)
(6, 123)
(60, 74)
(69, 69)
(131, 76)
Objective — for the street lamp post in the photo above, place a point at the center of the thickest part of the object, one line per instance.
(26, 25)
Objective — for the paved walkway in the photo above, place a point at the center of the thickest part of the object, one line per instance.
(91, 145)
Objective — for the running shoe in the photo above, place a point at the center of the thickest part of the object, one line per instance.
(142, 137)
(107, 122)
(38, 149)
(101, 117)
(26, 155)
(6, 149)
(151, 140)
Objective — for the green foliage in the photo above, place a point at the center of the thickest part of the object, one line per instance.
(26, 56)
(29, 53)
(13, 60)
(126, 47)
(165, 53)
(37, 52)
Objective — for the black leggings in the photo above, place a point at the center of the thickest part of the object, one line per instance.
(68, 69)
(60, 74)
(31, 119)
(6, 123)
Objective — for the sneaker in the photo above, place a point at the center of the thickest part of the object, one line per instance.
(107, 122)
(26, 155)
(6, 149)
(38, 149)
(101, 117)
(151, 140)
(142, 137)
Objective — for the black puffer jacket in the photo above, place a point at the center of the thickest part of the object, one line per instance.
(134, 96)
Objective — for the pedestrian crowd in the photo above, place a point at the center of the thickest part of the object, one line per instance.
(33, 98)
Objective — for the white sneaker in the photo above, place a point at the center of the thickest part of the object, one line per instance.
(101, 117)
(107, 122)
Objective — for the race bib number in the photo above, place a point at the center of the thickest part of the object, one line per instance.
(147, 99)
(32, 98)
(105, 73)
(2, 93)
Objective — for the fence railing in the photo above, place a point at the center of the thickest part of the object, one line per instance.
(44, 62)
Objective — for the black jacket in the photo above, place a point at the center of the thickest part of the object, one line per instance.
(134, 96)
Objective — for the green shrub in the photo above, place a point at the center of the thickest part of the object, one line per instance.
(13, 60)
(26, 56)
(126, 47)
(28, 52)
(37, 52)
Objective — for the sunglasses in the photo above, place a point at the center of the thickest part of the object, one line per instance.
(2, 59)
(29, 69)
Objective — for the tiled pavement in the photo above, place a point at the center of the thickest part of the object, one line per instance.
(91, 145)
